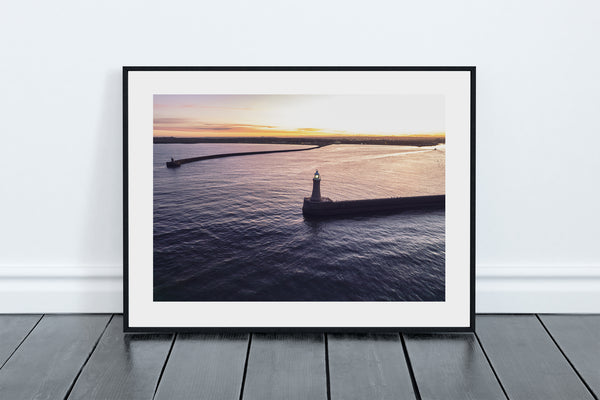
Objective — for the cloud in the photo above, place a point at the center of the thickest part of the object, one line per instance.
(191, 125)
(170, 120)
(211, 128)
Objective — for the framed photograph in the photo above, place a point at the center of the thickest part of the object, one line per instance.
(299, 198)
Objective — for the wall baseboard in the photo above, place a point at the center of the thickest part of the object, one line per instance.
(498, 289)
(519, 290)
(61, 289)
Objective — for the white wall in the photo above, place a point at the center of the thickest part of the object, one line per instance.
(538, 127)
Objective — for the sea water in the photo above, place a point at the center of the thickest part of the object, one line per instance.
(232, 229)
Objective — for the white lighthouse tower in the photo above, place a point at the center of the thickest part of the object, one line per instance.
(316, 192)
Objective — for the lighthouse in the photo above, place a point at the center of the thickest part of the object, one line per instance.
(315, 201)
(316, 192)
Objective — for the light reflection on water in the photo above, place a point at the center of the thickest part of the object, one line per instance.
(231, 229)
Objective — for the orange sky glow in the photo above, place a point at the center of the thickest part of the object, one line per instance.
(297, 115)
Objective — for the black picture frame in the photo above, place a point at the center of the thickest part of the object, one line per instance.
(128, 279)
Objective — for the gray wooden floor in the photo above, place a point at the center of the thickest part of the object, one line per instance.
(510, 356)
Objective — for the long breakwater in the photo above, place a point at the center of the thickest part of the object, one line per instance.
(179, 163)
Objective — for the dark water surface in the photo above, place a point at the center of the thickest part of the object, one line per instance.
(231, 229)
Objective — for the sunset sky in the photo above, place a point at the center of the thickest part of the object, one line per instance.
(297, 115)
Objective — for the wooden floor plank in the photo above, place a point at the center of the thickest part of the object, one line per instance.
(123, 366)
(579, 338)
(13, 329)
(368, 366)
(205, 366)
(46, 364)
(286, 366)
(526, 360)
(451, 366)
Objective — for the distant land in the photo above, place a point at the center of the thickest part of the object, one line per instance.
(408, 140)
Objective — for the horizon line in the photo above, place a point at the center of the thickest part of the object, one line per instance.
(324, 135)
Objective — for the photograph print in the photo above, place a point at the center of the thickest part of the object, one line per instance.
(299, 198)
(300, 204)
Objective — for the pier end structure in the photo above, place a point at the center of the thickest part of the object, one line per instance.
(315, 198)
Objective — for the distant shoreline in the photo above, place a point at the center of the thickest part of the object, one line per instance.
(314, 141)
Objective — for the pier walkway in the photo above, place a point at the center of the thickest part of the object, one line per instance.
(326, 207)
